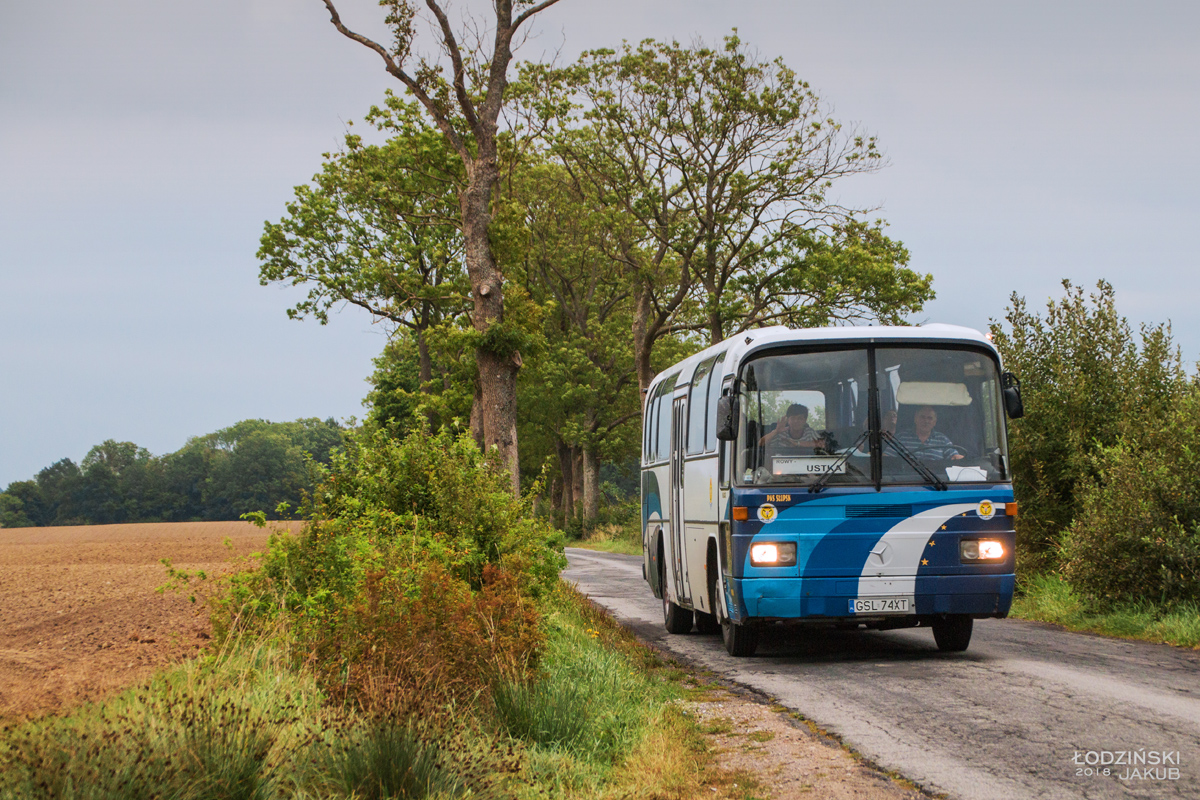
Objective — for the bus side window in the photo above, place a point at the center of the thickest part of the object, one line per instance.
(665, 391)
(697, 394)
(714, 391)
(724, 449)
(648, 428)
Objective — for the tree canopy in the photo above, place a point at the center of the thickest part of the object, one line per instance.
(640, 204)
(253, 465)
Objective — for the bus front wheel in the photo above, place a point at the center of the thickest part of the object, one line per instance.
(740, 640)
(953, 633)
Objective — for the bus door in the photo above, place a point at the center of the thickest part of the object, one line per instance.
(678, 557)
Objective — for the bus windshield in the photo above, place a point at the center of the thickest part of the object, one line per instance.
(805, 417)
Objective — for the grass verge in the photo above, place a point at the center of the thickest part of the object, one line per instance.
(600, 720)
(625, 539)
(1049, 598)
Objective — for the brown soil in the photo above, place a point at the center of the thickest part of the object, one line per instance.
(79, 614)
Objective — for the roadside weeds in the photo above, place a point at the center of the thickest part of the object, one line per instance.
(1049, 598)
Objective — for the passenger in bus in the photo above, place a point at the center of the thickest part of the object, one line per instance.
(924, 441)
(793, 432)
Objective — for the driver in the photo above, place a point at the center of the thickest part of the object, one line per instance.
(793, 432)
(925, 442)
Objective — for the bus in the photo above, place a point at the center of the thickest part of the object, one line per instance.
(850, 477)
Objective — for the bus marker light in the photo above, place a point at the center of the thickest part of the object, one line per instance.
(741, 513)
(1010, 509)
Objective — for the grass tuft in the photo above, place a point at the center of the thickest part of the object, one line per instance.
(391, 760)
(1049, 598)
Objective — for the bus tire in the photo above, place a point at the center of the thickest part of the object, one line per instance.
(708, 624)
(953, 633)
(740, 640)
(676, 618)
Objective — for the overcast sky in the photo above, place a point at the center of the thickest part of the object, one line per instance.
(144, 143)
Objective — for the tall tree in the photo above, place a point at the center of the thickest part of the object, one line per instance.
(725, 164)
(379, 228)
(465, 107)
(584, 380)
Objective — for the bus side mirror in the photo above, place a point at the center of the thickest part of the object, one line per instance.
(725, 418)
(1012, 396)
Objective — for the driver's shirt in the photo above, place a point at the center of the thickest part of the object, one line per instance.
(783, 441)
(937, 447)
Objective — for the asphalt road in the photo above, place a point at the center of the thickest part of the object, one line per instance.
(1020, 714)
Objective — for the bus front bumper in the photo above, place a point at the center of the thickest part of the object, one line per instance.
(804, 598)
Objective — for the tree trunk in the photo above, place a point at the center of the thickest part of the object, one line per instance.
(425, 363)
(566, 463)
(477, 417)
(497, 369)
(642, 341)
(591, 486)
(577, 473)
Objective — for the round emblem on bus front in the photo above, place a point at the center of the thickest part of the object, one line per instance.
(986, 509)
(767, 513)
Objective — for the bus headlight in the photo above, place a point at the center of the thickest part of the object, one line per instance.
(981, 550)
(773, 554)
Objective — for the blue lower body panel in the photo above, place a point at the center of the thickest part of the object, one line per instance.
(798, 598)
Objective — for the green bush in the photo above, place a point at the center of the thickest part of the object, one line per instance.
(1086, 383)
(1136, 533)
(416, 578)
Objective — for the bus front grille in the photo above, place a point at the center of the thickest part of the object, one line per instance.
(857, 511)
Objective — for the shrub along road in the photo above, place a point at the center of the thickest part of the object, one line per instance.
(1028, 711)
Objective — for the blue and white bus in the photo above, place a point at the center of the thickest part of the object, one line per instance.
(854, 476)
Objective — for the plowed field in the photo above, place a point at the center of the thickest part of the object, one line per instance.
(79, 614)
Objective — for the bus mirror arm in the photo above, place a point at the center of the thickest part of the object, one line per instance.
(726, 418)
(1012, 396)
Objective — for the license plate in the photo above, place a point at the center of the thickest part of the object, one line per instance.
(882, 605)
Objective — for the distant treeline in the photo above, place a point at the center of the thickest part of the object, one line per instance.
(251, 466)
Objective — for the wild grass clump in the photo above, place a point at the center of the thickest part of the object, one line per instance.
(593, 705)
(1051, 598)
(227, 728)
(406, 760)
(588, 702)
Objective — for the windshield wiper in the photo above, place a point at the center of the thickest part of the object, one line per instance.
(820, 482)
(914, 462)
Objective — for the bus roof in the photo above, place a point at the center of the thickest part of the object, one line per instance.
(743, 344)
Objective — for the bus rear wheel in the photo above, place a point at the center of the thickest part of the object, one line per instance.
(707, 623)
(740, 640)
(676, 619)
(953, 633)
